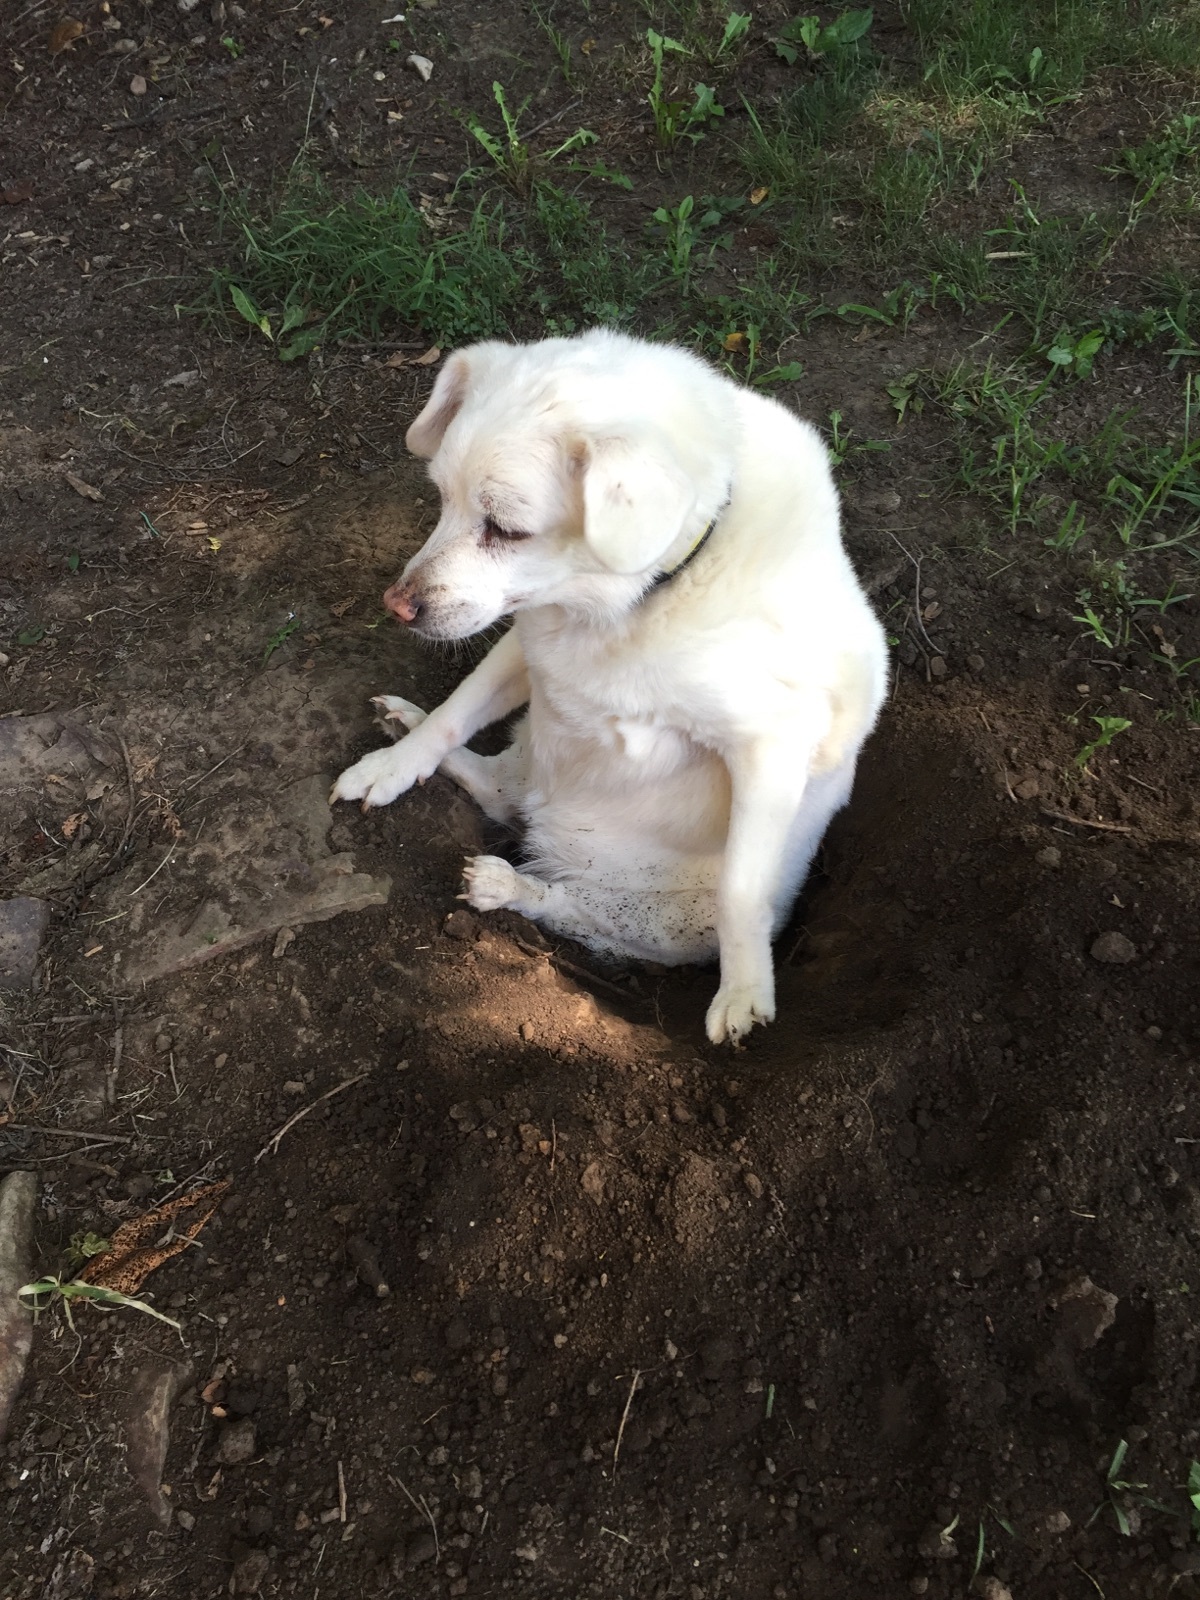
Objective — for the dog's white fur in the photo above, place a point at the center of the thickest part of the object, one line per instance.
(686, 744)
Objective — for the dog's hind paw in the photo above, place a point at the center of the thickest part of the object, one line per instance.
(736, 1008)
(490, 883)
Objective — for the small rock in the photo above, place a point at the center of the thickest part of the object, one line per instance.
(249, 1572)
(420, 65)
(1055, 1523)
(283, 938)
(592, 1181)
(527, 1031)
(23, 924)
(976, 663)
(460, 925)
(1114, 949)
(137, 85)
(918, 1584)
(237, 1443)
(289, 455)
(1051, 856)
(186, 1520)
(526, 1552)
(147, 1431)
(1027, 789)
(937, 667)
(162, 1044)
(1088, 1312)
(420, 1548)
(993, 1589)
(754, 1183)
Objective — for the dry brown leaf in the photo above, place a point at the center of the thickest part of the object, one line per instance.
(84, 489)
(17, 193)
(434, 353)
(734, 343)
(73, 824)
(64, 35)
(343, 606)
(132, 1255)
(397, 359)
(757, 196)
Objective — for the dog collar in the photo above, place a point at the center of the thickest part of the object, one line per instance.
(665, 577)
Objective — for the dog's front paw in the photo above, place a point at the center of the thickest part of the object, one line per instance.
(737, 1007)
(391, 709)
(491, 883)
(379, 777)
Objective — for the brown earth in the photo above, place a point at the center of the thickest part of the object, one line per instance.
(544, 1294)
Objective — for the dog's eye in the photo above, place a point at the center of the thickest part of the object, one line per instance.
(494, 534)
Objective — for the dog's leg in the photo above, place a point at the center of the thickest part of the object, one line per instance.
(498, 685)
(495, 783)
(648, 924)
(768, 789)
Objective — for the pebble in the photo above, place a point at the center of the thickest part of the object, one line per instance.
(918, 1584)
(527, 1031)
(249, 1572)
(993, 1589)
(976, 663)
(420, 1549)
(754, 1183)
(1051, 856)
(1027, 789)
(237, 1443)
(937, 666)
(186, 1520)
(1114, 949)
(1055, 1523)
(137, 85)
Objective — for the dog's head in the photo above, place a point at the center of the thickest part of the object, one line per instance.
(571, 472)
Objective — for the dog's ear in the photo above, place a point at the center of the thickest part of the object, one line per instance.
(443, 405)
(636, 501)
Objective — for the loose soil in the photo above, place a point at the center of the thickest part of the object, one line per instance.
(861, 1310)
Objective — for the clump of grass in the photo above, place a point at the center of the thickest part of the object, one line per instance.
(327, 268)
(314, 269)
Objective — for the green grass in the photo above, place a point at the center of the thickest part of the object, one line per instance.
(313, 269)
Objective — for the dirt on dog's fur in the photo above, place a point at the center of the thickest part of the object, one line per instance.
(857, 1311)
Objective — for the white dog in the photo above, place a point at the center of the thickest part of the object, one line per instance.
(700, 664)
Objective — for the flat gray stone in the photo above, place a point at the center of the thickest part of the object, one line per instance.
(262, 865)
(18, 1194)
(147, 1432)
(23, 924)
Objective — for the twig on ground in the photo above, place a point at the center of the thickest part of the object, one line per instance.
(272, 1145)
(575, 971)
(72, 1133)
(341, 1494)
(424, 1509)
(637, 1373)
(1085, 822)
